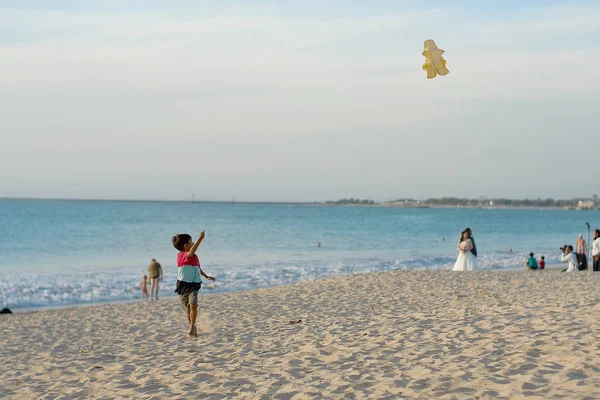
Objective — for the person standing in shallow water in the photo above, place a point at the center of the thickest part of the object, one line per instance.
(155, 274)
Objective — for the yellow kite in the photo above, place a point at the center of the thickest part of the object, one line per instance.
(435, 63)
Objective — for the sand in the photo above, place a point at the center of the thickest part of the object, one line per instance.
(442, 335)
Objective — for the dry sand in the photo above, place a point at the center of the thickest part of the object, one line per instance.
(442, 335)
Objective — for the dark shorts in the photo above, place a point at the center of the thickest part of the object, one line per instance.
(187, 299)
(582, 261)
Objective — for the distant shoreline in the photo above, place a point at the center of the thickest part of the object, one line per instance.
(389, 205)
(477, 207)
(314, 203)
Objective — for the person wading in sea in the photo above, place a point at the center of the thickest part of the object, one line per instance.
(155, 273)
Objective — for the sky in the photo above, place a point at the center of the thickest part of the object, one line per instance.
(298, 101)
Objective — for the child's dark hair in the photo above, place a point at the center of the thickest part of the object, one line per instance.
(180, 240)
(543, 258)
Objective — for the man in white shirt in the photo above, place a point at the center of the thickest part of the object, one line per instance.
(569, 257)
(596, 250)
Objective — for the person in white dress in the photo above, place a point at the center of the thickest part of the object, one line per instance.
(465, 261)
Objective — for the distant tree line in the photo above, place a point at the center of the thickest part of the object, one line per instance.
(351, 201)
(465, 202)
(406, 200)
(539, 202)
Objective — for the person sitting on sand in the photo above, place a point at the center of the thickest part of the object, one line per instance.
(188, 276)
(532, 262)
(569, 257)
(144, 286)
(542, 263)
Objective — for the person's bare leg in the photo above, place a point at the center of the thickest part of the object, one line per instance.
(193, 314)
(154, 289)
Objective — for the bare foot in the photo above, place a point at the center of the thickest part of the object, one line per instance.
(193, 332)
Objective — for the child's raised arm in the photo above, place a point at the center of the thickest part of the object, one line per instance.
(195, 246)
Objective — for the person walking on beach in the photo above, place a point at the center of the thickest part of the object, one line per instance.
(188, 276)
(144, 287)
(156, 275)
(569, 257)
(531, 262)
(474, 249)
(596, 251)
(581, 250)
(466, 260)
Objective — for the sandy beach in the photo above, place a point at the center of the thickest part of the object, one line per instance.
(393, 335)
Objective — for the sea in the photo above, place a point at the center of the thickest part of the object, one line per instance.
(57, 253)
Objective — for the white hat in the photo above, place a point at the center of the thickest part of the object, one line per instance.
(580, 235)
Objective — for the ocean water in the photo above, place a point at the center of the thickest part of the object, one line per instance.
(59, 252)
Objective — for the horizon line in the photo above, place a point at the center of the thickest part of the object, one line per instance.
(282, 202)
(164, 201)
